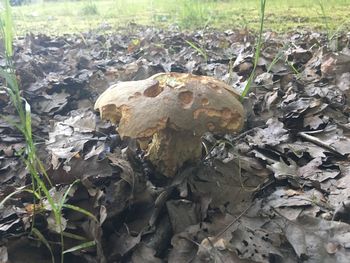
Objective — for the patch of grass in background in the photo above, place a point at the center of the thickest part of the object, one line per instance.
(331, 32)
(89, 9)
(193, 13)
(61, 17)
(324, 18)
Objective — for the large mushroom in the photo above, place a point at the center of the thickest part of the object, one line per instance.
(169, 112)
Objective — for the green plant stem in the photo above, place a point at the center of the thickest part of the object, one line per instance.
(198, 49)
(324, 18)
(257, 49)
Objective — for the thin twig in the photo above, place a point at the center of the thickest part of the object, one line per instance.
(209, 155)
(233, 221)
(318, 142)
(243, 134)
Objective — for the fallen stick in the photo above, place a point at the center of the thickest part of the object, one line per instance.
(318, 142)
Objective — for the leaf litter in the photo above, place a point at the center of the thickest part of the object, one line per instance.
(278, 192)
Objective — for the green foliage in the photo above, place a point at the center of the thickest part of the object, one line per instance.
(81, 246)
(324, 18)
(73, 16)
(7, 29)
(280, 56)
(43, 240)
(89, 9)
(193, 14)
(330, 31)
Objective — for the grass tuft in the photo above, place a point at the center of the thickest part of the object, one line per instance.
(193, 14)
(89, 9)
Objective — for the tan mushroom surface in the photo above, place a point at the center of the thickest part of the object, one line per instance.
(169, 112)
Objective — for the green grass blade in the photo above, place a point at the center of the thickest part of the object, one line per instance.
(324, 18)
(79, 247)
(3, 201)
(8, 29)
(43, 188)
(198, 49)
(42, 170)
(277, 58)
(43, 240)
(74, 236)
(80, 210)
(64, 197)
(28, 121)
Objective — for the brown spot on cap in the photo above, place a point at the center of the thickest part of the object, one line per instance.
(226, 113)
(205, 102)
(211, 126)
(186, 99)
(110, 112)
(228, 120)
(153, 90)
(206, 112)
(161, 124)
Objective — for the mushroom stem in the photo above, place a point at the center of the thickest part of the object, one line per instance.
(170, 149)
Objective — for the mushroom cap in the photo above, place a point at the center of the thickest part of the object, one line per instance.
(179, 101)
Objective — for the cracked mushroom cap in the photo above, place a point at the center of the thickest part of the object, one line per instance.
(182, 102)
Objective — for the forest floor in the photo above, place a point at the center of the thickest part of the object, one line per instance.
(278, 192)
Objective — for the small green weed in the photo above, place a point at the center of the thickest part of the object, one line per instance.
(324, 18)
(198, 49)
(280, 56)
(257, 49)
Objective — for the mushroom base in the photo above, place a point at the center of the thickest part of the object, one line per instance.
(170, 149)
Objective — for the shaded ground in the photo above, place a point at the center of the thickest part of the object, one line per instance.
(280, 194)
